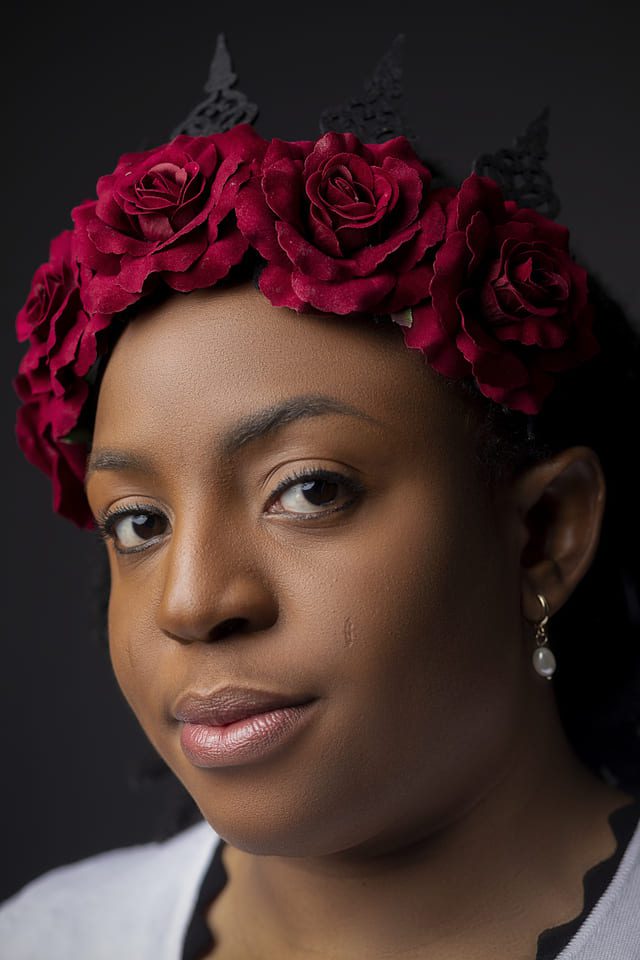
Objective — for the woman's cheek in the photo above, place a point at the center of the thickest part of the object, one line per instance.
(135, 657)
(422, 595)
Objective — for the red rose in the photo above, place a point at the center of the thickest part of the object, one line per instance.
(344, 226)
(166, 212)
(50, 381)
(63, 462)
(508, 304)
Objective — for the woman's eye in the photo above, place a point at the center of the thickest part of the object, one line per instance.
(130, 530)
(306, 494)
(303, 492)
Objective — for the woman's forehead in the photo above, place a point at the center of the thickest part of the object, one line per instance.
(226, 353)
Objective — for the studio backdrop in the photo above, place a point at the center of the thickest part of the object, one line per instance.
(85, 83)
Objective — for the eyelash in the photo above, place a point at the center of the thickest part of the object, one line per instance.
(106, 520)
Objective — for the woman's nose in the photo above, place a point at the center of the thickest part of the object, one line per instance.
(211, 588)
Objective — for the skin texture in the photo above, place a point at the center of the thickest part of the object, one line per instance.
(432, 805)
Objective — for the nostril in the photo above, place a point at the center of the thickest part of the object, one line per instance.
(232, 625)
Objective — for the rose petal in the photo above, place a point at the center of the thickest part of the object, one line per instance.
(427, 334)
(350, 296)
(275, 284)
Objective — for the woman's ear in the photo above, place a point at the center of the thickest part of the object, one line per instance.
(559, 505)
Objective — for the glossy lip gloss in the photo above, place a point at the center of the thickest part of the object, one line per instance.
(243, 740)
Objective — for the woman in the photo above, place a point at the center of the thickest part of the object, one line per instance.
(367, 553)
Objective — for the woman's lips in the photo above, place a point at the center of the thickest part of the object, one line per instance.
(228, 704)
(243, 740)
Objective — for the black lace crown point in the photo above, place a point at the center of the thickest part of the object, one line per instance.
(224, 107)
(519, 169)
(373, 116)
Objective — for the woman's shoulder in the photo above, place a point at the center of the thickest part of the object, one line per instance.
(132, 901)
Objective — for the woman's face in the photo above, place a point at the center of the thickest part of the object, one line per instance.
(391, 597)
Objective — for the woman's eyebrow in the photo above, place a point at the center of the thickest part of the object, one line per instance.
(245, 430)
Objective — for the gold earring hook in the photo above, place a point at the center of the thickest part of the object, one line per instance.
(545, 608)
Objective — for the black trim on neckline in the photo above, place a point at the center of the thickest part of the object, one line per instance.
(198, 940)
(624, 820)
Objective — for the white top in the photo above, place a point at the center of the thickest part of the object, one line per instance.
(135, 903)
(132, 903)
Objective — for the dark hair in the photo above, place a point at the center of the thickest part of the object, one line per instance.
(595, 636)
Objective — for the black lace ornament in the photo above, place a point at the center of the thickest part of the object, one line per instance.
(519, 170)
(372, 116)
(224, 107)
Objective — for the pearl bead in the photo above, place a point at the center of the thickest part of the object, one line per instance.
(544, 662)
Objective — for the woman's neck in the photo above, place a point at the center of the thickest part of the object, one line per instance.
(482, 885)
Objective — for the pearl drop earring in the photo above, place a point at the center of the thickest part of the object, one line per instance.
(544, 661)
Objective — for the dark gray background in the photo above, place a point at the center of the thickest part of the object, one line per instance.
(85, 85)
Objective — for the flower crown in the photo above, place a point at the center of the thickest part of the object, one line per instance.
(484, 286)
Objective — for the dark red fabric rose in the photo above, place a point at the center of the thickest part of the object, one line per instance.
(51, 375)
(344, 226)
(166, 212)
(63, 462)
(508, 303)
